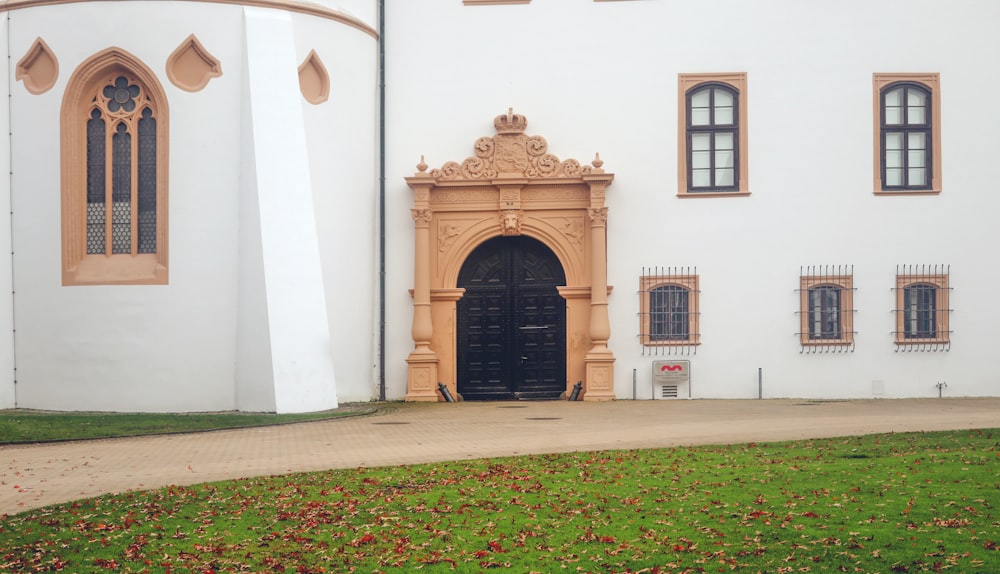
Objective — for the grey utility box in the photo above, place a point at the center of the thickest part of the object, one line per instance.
(671, 379)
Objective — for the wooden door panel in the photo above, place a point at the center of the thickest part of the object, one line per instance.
(482, 334)
(511, 322)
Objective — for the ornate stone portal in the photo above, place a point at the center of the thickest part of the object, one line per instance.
(511, 186)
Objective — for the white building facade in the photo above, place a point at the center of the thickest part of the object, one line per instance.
(227, 209)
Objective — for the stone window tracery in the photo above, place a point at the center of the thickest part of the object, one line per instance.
(114, 164)
(132, 131)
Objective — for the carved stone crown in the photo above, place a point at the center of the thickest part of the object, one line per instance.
(510, 123)
(511, 153)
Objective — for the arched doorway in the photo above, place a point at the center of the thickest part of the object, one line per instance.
(513, 191)
(511, 340)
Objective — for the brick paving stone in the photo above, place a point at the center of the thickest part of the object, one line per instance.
(32, 476)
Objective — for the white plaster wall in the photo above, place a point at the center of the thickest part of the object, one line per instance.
(364, 10)
(174, 347)
(7, 374)
(602, 76)
(299, 338)
(342, 134)
(141, 348)
(254, 367)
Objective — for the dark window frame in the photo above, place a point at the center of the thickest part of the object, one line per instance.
(671, 335)
(920, 311)
(713, 129)
(905, 129)
(669, 313)
(923, 310)
(824, 279)
(830, 311)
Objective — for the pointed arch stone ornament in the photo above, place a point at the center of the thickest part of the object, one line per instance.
(38, 69)
(191, 66)
(314, 80)
(511, 186)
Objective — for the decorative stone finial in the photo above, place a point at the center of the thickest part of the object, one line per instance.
(598, 162)
(422, 166)
(510, 123)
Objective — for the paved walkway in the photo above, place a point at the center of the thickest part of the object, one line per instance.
(38, 475)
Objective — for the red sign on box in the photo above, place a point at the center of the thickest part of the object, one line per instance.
(671, 372)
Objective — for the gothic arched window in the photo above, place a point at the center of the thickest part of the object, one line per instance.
(114, 174)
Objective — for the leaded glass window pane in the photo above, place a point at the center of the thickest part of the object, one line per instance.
(95, 183)
(147, 182)
(121, 96)
(121, 191)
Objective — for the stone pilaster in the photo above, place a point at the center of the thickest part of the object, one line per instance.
(422, 370)
(600, 382)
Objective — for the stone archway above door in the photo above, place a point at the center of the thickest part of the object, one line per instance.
(511, 186)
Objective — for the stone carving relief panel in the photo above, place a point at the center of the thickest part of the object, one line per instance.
(572, 228)
(465, 196)
(510, 152)
(450, 230)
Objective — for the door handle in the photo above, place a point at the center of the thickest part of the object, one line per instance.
(524, 358)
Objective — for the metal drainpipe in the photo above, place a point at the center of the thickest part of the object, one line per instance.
(10, 187)
(381, 200)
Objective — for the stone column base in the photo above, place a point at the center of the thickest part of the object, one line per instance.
(600, 382)
(422, 378)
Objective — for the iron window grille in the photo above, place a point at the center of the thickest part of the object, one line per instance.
(922, 308)
(826, 309)
(906, 150)
(713, 138)
(668, 310)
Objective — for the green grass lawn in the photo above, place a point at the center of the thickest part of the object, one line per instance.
(922, 502)
(19, 426)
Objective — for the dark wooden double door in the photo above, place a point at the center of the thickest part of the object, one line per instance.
(511, 340)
